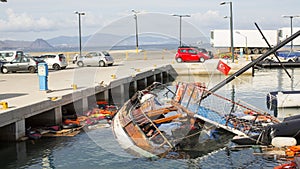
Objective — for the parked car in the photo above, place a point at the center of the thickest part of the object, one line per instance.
(9, 55)
(55, 61)
(101, 59)
(2, 63)
(20, 64)
(187, 54)
(209, 53)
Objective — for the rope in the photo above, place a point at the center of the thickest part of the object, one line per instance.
(224, 98)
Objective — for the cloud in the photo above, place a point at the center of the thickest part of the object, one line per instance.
(23, 23)
(208, 19)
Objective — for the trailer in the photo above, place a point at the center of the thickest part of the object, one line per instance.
(285, 32)
(250, 40)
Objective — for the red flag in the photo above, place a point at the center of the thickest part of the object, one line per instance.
(223, 67)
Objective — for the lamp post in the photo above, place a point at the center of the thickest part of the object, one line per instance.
(246, 49)
(180, 23)
(136, 29)
(291, 18)
(231, 28)
(79, 26)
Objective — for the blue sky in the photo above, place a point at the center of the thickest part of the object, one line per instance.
(33, 19)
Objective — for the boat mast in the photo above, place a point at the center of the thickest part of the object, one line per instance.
(251, 64)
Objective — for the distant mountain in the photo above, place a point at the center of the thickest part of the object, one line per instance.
(99, 41)
(67, 41)
(40, 44)
(11, 44)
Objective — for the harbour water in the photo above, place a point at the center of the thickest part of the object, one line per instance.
(98, 148)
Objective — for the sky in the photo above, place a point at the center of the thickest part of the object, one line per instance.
(29, 20)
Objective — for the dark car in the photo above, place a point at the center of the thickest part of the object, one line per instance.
(2, 63)
(190, 54)
(209, 53)
(20, 64)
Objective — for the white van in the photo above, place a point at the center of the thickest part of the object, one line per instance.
(9, 55)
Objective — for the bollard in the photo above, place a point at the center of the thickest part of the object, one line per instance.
(113, 76)
(126, 54)
(74, 86)
(4, 105)
(145, 55)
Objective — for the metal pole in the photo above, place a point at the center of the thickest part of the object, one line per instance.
(79, 34)
(291, 20)
(231, 29)
(180, 25)
(231, 32)
(291, 32)
(180, 30)
(136, 33)
(136, 29)
(79, 29)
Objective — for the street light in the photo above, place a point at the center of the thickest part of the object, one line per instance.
(246, 49)
(136, 29)
(231, 28)
(79, 25)
(291, 17)
(180, 20)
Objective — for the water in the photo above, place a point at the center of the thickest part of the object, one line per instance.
(98, 148)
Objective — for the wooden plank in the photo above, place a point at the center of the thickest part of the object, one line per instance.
(161, 111)
(167, 119)
(137, 136)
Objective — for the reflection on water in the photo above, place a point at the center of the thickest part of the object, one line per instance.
(98, 149)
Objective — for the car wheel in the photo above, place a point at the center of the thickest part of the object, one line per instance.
(201, 59)
(80, 64)
(63, 67)
(31, 69)
(179, 60)
(101, 64)
(4, 70)
(56, 67)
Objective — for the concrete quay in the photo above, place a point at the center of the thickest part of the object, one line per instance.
(78, 89)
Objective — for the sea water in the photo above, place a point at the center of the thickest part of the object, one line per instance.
(99, 149)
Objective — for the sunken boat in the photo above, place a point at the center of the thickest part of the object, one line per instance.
(158, 120)
(153, 123)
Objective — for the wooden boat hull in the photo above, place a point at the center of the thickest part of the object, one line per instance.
(125, 141)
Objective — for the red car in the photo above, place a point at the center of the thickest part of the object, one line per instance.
(190, 54)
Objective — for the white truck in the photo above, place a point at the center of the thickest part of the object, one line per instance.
(285, 32)
(250, 40)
